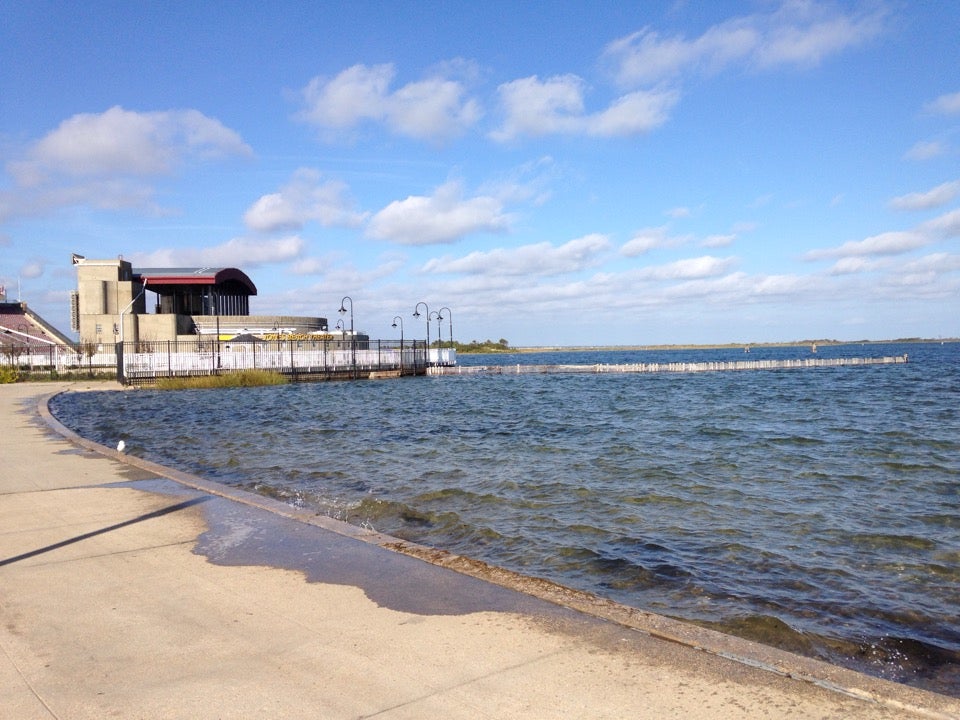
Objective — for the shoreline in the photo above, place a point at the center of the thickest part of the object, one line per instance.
(695, 645)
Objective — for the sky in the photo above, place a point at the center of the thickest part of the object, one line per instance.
(549, 173)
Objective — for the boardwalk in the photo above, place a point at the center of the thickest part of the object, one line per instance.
(674, 367)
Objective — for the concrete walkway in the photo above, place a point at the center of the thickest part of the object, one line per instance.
(131, 591)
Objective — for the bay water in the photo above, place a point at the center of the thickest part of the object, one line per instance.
(813, 509)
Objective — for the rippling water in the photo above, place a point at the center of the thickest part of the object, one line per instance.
(816, 509)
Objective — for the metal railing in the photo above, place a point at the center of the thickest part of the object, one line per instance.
(143, 362)
(146, 361)
(50, 360)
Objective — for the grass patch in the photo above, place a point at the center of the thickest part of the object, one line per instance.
(242, 378)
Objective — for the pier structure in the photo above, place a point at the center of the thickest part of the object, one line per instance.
(673, 367)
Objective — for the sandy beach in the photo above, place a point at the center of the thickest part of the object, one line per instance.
(131, 590)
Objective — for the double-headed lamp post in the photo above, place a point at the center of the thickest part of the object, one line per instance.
(450, 319)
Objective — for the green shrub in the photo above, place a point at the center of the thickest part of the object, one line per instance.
(242, 378)
(9, 374)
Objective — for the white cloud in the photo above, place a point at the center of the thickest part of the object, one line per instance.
(888, 243)
(238, 252)
(309, 266)
(436, 108)
(534, 107)
(798, 33)
(540, 259)
(105, 160)
(689, 268)
(854, 264)
(945, 104)
(651, 238)
(925, 150)
(896, 242)
(32, 269)
(943, 227)
(555, 106)
(716, 241)
(935, 197)
(632, 114)
(302, 200)
(120, 142)
(443, 217)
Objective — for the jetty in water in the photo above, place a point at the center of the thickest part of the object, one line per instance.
(670, 367)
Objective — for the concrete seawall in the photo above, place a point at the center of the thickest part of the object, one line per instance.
(128, 589)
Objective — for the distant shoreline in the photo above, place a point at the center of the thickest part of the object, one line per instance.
(716, 346)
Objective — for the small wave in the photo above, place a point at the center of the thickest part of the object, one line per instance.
(769, 630)
(876, 541)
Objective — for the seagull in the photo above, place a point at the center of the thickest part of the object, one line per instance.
(120, 446)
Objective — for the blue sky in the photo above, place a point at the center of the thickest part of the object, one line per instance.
(554, 173)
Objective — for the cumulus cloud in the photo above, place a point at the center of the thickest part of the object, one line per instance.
(945, 104)
(889, 243)
(123, 142)
(436, 108)
(859, 256)
(238, 252)
(799, 34)
(689, 268)
(944, 227)
(540, 259)
(535, 107)
(652, 238)
(106, 160)
(305, 198)
(933, 198)
(444, 217)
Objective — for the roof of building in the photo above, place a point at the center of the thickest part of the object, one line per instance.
(19, 325)
(194, 276)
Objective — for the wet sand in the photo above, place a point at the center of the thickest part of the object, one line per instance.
(131, 590)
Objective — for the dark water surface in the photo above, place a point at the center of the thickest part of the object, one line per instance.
(814, 509)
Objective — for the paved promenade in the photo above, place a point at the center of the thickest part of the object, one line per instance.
(131, 591)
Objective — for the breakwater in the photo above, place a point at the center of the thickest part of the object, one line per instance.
(669, 367)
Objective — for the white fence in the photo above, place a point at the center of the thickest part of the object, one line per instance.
(147, 361)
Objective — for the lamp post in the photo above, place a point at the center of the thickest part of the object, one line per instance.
(353, 340)
(398, 319)
(450, 319)
(416, 314)
(120, 360)
(438, 327)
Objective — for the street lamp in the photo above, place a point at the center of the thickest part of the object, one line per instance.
(438, 328)
(121, 362)
(398, 319)
(416, 314)
(450, 318)
(353, 338)
(344, 309)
